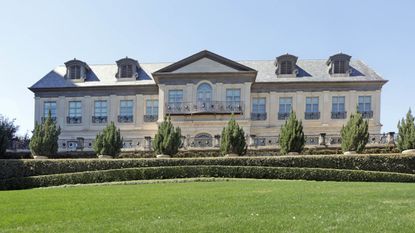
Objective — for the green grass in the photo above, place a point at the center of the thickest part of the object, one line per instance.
(226, 206)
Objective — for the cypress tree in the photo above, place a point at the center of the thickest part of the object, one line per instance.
(3, 141)
(355, 134)
(292, 135)
(168, 139)
(233, 139)
(45, 137)
(109, 142)
(406, 132)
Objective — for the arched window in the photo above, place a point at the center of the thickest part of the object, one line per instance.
(202, 140)
(204, 93)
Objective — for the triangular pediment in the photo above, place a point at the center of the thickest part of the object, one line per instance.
(205, 62)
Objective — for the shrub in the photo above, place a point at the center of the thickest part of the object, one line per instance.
(355, 134)
(109, 142)
(204, 171)
(45, 138)
(3, 141)
(233, 139)
(292, 135)
(406, 134)
(7, 132)
(168, 139)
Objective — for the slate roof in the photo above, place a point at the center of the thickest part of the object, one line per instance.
(309, 70)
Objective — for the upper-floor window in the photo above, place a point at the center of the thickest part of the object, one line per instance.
(286, 67)
(204, 93)
(285, 107)
(100, 111)
(339, 67)
(75, 112)
(175, 96)
(339, 64)
(365, 106)
(233, 96)
(152, 107)
(75, 72)
(311, 108)
(49, 106)
(258, 105)
(126, 111)
(337, 104)
(126, 71)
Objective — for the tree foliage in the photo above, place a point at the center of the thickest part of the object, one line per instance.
(109, 141)
(355, 134)
(406, 132)
(233, 139)
(7, 132)
(168, 139)
(45, 137)
(292, 136)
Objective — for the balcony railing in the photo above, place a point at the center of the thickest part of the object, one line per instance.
(338, 115)
(74, 120)
(44, 119)
(99, 119)
(150, 118)
(125, 119)
(367, 114)
(212, 107)
(283, 115)
(312, 115)
(258, 116)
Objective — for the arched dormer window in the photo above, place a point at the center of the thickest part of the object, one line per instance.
(127, 69)
(339, 64)
(76, 70)
(286, 65)
(204, 93)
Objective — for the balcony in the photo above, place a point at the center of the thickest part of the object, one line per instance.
(283, 115)
(213, 107)
(74, 120)
(312, 115)
(99, 119)
(125, 119)
(338, 115)
(44, 119)
(150, 118)
(256, 116)
(367, 114)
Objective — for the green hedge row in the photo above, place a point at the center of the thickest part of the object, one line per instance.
(203, 171)
(387, 163)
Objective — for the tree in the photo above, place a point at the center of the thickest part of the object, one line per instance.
(233, 139)
(355, 134)
(7, 132)
(292, 135)
(109, 142)
(406, 132)
(168, 139)
(45, 137)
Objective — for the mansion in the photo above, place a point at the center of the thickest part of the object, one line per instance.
(202, 92)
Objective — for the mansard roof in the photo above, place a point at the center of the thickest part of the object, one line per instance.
(308, 71)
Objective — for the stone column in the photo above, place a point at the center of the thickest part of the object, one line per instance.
(216, 141)
(251, 140)
(390, 139)
(162, 101)
(322, 139)
(147, 143)
(139, 109)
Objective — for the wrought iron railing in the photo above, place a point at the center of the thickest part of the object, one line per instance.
(283, 115)
(221, 107)
(125, 119)
(266, 141)
(256, 116)
(99, 119)
(150, 118)
(53, 119)
(74, 120)
(312, 115)
(338, 115)
(367, 114)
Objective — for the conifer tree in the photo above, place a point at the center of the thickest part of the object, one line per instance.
(109, 142)
(168, 139)
(292, 135)
(355, 134)
(3, 141)
(45, 137)
(406, 132)
(233, 139)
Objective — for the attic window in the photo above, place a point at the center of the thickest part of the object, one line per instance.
(126, 71)
(339, 67)
(339, 64)
(286, 67)
(75, 72)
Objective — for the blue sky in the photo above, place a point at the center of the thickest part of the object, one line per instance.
(37, 36)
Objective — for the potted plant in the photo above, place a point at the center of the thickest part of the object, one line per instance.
(108, 144)
(233, 140)
(292, 138)
(354, 135)
(167, 140)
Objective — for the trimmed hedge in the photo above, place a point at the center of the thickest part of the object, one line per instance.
(203, 171)
(386, 163)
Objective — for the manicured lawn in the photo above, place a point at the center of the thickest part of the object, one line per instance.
(232, 206)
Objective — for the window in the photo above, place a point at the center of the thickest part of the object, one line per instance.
(100, 109)
(126, 71)
(175, 96)
(365, 103)
(75, 112)
(204, 93)
(75, 72)
(49, 106)
(286, 67)
(311, 109)
(126, 111)
(339, 66)
(258, 105)
(152, 107)
(233, 96)
(337, 104)
(285, 107)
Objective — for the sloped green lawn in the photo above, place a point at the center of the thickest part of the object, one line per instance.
(226, 206)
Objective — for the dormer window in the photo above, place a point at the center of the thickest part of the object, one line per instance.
(76, 70)
(286, 65)
(339, 64)
(127, 69)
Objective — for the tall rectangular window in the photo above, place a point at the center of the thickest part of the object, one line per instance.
(365, 103)
(285, 105)
(337, 104)
(49, 106)
(75, 72)
(311, 104)
(175, 96)
(75, 109)
(126, 71)
(100, 108)
(233, 96)
(286, 67)
(258, 109)
(152, 107)
(126, 111)
(339, 67)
